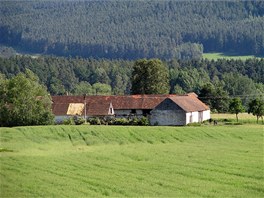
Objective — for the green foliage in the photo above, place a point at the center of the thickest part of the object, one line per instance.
(78, 120)
(127, 161)
(77, 75)
(215, 97)
(133, 29)
(191, 79)
(94, 121)
(121, 121)
(189, 51)
(236, 106)
(236, 84)
(23, 101)
(150, 77)
(68, 121)
(83, 88)
(102, 89)
(256, 107)
(143, 121)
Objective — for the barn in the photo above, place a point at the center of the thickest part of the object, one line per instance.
(179, 110)
(160, 109)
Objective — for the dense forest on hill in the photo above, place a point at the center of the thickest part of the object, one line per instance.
(227, 78)
(133, 29)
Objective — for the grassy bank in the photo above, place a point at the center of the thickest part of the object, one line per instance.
(95, 161)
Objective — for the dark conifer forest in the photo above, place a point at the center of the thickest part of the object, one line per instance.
(133, 29)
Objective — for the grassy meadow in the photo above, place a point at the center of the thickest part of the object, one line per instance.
(243, 118)
(130, 161)
(215, 56)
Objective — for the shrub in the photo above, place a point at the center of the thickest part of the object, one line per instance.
(134, 121)
(69, 121)
(94, 121)
(121, 121)
(78, 120)
(144, 121)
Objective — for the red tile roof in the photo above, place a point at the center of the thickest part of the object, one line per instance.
(99, 105)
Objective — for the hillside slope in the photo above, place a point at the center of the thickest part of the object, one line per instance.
(133, 29)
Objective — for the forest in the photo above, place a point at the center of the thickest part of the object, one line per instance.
(220, 79)
(133, 29)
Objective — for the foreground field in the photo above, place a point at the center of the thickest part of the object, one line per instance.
(95, 161)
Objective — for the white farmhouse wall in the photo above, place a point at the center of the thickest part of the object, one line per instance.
(192, 117)
(206, 115)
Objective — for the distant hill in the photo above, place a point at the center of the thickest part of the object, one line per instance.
(133, 29)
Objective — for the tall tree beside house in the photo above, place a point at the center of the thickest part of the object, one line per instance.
(236, 106)
(256, 107)
(150, 77)
(23, 101)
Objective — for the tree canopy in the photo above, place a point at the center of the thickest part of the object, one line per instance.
(23, 101)
(236, 107)
(150, 77)
(133, 29)
(226, 78)
(256, 107)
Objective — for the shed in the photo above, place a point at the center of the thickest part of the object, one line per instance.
(179, 110)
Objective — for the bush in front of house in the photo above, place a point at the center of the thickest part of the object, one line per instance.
(143, 121)
(74, 121)
(94, 121)
(121, 121)
(78, 120)
(68, 121)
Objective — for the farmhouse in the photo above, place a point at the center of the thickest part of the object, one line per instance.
(160, 109)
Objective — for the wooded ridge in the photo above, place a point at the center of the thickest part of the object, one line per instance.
(133, 29)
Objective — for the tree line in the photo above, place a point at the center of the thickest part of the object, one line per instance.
(214, 81)
(133, 29)
(25, 101)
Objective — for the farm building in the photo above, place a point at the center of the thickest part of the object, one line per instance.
(160, 109)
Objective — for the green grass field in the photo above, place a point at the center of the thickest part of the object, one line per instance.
(243, 118)
(215, 56)
(117, 161)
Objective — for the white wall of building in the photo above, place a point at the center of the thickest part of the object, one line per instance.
(206, 115)
(196, 116)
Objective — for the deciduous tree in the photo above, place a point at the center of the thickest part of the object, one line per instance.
(256, 107)
(150, 77)
(236, 106)
(24, 101)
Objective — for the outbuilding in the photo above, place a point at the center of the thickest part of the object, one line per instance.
(179, 110)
